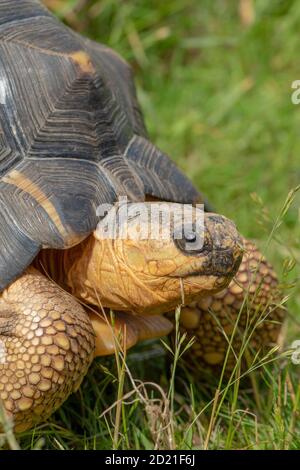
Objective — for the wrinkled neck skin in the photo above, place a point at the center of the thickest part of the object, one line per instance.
(97, 273)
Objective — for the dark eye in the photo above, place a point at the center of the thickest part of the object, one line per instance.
(188, 240)
(190, 236)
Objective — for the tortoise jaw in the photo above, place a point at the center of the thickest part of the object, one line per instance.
(216, 269)
(224, 263)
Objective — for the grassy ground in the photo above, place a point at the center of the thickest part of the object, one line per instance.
(214, 81)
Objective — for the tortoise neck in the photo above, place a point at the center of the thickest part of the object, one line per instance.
(60, 265)
(79, 269)
(86, 271)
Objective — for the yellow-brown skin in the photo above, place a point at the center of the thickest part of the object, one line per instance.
(47, 338)
(252, 299)
(47, 344)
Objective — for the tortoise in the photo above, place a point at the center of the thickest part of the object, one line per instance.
(72, 139)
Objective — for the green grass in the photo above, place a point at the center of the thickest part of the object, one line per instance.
(216, 94)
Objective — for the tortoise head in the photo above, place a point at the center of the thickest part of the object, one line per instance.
(156, 256)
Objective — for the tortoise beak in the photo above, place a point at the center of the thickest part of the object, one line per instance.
(225, 245)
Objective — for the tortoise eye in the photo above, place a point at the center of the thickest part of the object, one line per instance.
(188, 240)
(190, 236)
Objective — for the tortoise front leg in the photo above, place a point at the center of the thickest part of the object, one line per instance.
(46, 346)
(250, 308)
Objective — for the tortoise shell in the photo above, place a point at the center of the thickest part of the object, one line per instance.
(71, 137)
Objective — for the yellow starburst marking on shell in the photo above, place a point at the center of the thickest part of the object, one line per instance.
(83, 60)
(19, 180)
